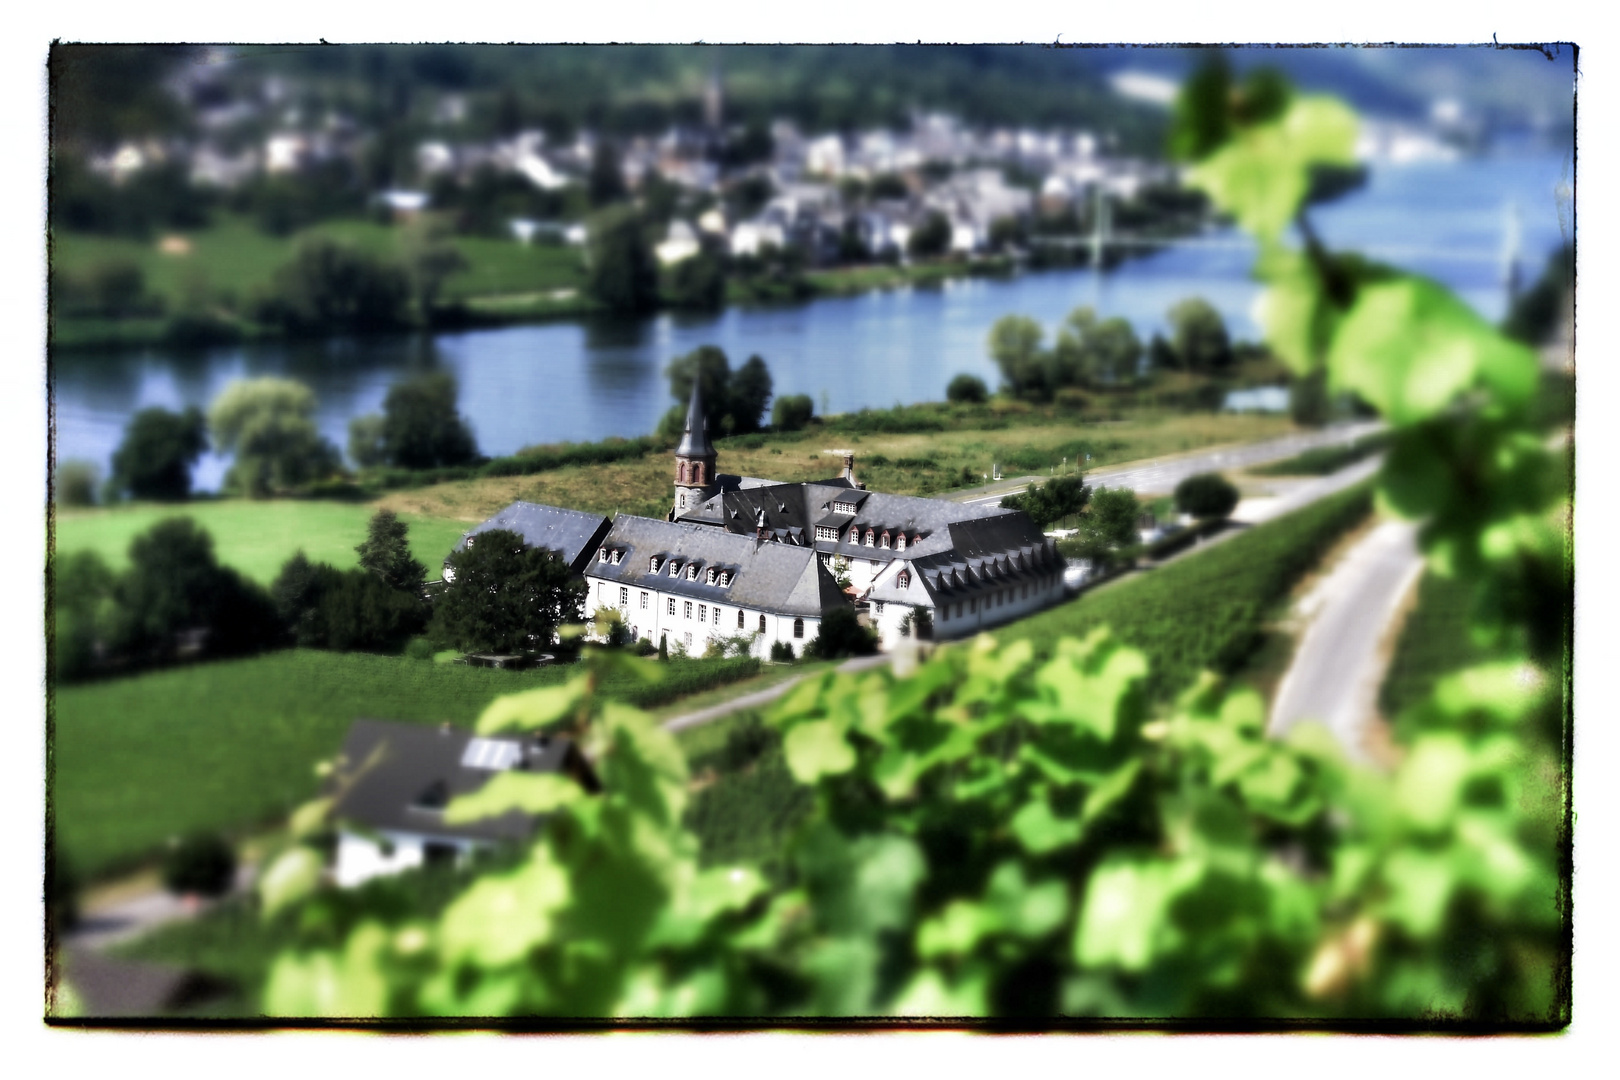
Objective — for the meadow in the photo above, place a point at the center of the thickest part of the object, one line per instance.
(229, 745)
(233, 257)
(255, 537)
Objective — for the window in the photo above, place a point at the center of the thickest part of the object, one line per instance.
(683, 503)
(687, 612)
(644, 601)
(674, 568)
(689, 640)
(1023, 592)
(958, 611)
(762, 623)
(877, 607)
(703, 613)
(870, 537)
(903, 579)
(884, 539)
(691, 571)
(973, 607)
(672, 605)
(618, 556)
(739, 618)
(900, 542)
(653, 564)
(602, 555)
(624, 597)
(798, 628)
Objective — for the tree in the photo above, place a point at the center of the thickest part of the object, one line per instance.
(1308, 402)
(203, 864)
(366, 446)
(621, 273)
(154, 460)
(297, 593)
(76, 483)
(1093, 353)
(269, 425)
(505, 597)
(931, 238)
(1111, 517)
(174, 583)
(606, 180)
(332, 286)
(697, 283)
(967, 389)
(421, 428)
(1206, 496)
(1058, 498)
(841, 635)
(792, 412)
(83, 594)
(1536, 312)
(748, 396)
(386, 553)
(1198, 338)
(430, 259)
(1015, 346)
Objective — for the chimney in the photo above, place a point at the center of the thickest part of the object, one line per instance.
(849, 471)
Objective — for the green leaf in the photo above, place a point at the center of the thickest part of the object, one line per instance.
(1029, 911)
(954, 931)
(1420, 885)
(503, 916)
(1504, 691)
(1110, 792)
(533, 709)
(350, 984)
(531, 793)
(1430, 781)
(930, 994)
(310, 818)
(1125, 911)
(1039, 830)
(816, 749)
(1321, 130)
(295, 874)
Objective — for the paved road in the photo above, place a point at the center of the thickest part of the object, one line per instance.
(101, 925)
(762, 697)
(1340, 661)
(1159, 476)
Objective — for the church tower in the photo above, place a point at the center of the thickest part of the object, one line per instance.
(694, 458)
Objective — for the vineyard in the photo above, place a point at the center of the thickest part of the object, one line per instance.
(1208, 611)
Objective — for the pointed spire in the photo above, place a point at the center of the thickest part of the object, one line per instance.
(695, 441)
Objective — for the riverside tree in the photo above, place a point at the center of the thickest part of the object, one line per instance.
(269, 425)
(504, 596)
(154, 461)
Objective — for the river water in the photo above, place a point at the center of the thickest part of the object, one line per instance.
(588, 380)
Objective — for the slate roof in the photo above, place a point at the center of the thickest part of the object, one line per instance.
(802, 507)
(992, 556)
(695, 440)
(418, 766)
(573, 534)
(777, 576)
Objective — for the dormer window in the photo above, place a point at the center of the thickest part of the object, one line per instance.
(691, 571)
(618, 556)
(674, 568)
(654, 564)
(711, 576)
(884, 539)
(903, 579)
(900, 542)
(602, 555)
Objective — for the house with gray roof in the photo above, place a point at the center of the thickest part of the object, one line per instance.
(572, 534)
(394, 781)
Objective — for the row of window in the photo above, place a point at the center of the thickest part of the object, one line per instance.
(703, 612)
(714, 575)
(870, 538)
(994, 600)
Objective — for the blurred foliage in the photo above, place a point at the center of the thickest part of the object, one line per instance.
(1207, 495)
(1011, 830)
(154, 460)
(268, 424)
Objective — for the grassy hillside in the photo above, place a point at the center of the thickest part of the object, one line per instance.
(255, 537)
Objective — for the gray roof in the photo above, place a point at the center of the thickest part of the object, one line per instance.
(419, 766)
(804, 506)
(777, 576)
(573, 534)
(695, 440)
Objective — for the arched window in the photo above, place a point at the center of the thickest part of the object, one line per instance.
(798, 628)
(884, 539)
(870, 536)
(762, 623)
(739, 618)
(683, 500)
(903, 579)
(900, 542)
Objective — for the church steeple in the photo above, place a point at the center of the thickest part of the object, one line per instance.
(694, 457)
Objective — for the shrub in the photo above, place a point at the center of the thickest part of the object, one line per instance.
(792, 412)
(969, 389)
(421, 428)
(203, 864)
(782, 652)
(1207, 495)
(841, 635)
(76, 483)
(154, 461)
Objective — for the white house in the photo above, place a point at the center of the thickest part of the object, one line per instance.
(393, 781)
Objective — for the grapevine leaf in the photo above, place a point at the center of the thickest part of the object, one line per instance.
(1039, 830)
(503, 916)
(295, 874)
(531, 793)
(535, 708)
(817, 749)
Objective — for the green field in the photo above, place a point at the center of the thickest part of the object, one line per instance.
(1434, 642)
(255, 537)
(230, 745)
(234, 258)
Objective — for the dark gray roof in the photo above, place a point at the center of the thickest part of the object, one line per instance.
(695, 439)
(418, 766)
(573, 534)
(777, 576)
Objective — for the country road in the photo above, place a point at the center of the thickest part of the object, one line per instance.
(1340, 661)
(1159, 476)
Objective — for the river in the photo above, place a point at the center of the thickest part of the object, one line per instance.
(587, 380)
